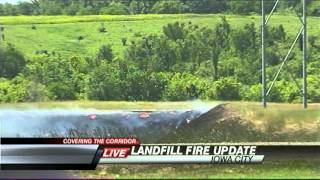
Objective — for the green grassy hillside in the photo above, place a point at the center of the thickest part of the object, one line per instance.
(60, 33)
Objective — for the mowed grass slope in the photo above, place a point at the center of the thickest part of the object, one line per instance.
(60, 33)
(289, 169)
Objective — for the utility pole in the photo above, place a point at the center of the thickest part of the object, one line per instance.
(263, 62)
(304, 60)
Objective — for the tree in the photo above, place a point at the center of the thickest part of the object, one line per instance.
(25, 8)
(104, 83)
(244, 6)
(168, 7)
(207, 6)
(219, 42)
(12, 61)
(137, 7)
(313, 8)
(57, 74)
(115, 8)
(72, 9)
(245, 40)
(175, 31)
(47, 7)
(105, 53)
(9, 10)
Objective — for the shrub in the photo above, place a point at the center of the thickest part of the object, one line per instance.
(61, 91)
(184, 86)
(102, 29)
(289, 91)
(146, 86)
(282, 91)
(227, 89)
(105, 53)
(314, 88)
(104, 83)
(124, 41)
(80, 38)
(36, 92)
(11, 61)
(20, 89)
(58, 74)
(251, 93)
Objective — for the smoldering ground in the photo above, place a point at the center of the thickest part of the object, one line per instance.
(77, 122)
(148, 126)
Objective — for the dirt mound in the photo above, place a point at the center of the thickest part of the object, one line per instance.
(219, 112)
(225, 123)
(220, 124)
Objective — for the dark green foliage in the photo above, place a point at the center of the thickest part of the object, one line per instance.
(80, 38)
(175, 31)
(124, 41)
(278, 34)
(12, 91)
(145, 86)
(57, 74)
(12, 61)
(244, 7)
(60, 91)
(185, 86)
(116, 7)
(207, 6)
(105, 53)
(168, 7)
(313, 8)
(20, 89)
(186, 61)
(43, 51)
(245, 40)
(314, 86)
(104, 83)
(227, 89)
(219, 43)
(102, 28)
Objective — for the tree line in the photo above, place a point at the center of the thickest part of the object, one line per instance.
(124, 7)
(186, 61)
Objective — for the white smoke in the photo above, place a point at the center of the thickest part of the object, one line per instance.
(43, 122)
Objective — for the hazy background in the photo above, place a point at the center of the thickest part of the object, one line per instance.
(11, 1)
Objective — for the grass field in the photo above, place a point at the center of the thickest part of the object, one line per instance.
(60, 33)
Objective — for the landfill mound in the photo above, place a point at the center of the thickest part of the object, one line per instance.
(150, 125)
(221, 124)
(225, 123)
